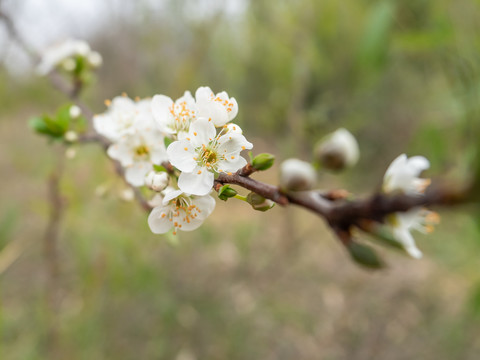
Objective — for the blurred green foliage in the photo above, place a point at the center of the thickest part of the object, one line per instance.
(403, 76)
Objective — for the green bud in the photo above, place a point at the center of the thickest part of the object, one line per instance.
(365, 256)
(259, 203)
(226, 192)
(263, 161)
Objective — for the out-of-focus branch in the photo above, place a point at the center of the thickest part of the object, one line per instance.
(343, 214)
(50, 251)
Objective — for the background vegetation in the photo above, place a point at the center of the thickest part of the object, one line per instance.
(403, 76)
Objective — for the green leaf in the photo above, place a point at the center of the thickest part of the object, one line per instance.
(167, 141)
(38, 124)
(63, 117)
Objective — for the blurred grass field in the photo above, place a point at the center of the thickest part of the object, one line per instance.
(402, 76)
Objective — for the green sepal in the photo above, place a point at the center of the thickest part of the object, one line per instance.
(226, 192)
(383, 235)
(258, 202)
(263, 161)
(159, 168)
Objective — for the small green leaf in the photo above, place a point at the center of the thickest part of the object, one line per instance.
(38, 124)
(167, 141)
(63, 117)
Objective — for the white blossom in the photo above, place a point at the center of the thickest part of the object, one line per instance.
(297, 175)
(203, 153)
(122, 116)
(95, 59)
(64, 54)
(403, 176)
(219, 108)
(179, 211)
(139, 150)
(174, 118)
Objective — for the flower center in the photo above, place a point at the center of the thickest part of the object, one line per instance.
(142, 150)
(183, 211)
(208, 157)
(183, 116)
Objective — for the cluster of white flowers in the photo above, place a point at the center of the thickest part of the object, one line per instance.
(65, 54)
(203, 143)
(403, 176)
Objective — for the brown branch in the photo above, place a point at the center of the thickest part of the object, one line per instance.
(343, 214)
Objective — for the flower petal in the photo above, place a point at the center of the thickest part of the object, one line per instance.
(157, 223)
(179, 157)
(171, 194)
(135, 174)
(201, 132)
(232, 165)
(196, 183)
(121, 152)
(161, 106)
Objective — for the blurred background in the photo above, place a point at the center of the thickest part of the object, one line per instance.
(402, 76)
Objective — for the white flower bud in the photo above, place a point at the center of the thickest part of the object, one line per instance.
(101, 190)
(70, 153)
(75, 111)
(95, 59)
(337, 150)
(127, 194)
(297, 175)
(156, 181)
(71, 136)
(69, 64)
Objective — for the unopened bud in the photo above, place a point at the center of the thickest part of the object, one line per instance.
(337, 150)
(71, 136)
(75, 111)
(95, 59)
(297, 175)
(263, 161)
(226, 192)
(127, 194)
(259, 203)
(69, 64)
(156, 181)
